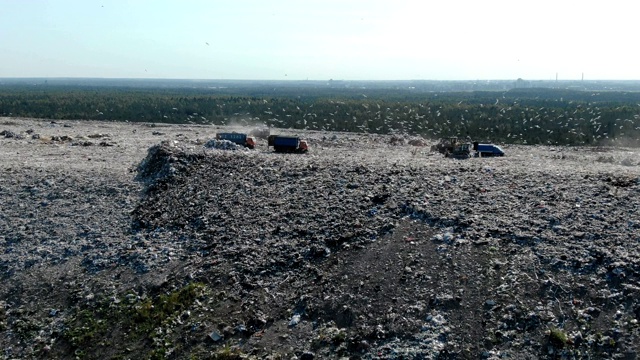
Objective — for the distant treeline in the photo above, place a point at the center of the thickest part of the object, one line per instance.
(519, 116)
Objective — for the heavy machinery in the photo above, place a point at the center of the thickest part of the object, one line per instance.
(460, 151)
(238, 138)
(288, 144)
(446, 145)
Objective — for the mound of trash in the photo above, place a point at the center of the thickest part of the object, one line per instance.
(366, 249)
(222, 145)
(10, 134)
(163, 161)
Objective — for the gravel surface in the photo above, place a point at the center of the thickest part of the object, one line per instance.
(140, 241)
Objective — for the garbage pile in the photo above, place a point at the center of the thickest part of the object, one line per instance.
(354, 237)
(372, 253)
(164, 160)
(10, 134)
(222, 145)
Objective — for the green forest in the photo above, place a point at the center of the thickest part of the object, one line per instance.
(517, 116)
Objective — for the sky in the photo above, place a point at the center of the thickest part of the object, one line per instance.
(320, 39)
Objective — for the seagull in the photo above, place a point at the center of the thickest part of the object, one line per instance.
(207, 43)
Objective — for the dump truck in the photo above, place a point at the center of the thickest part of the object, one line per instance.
(486, 150)
(291, 144)
(238, 138)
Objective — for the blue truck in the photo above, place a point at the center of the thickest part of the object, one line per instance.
(486, 150)
(238, 138)
(288, 144)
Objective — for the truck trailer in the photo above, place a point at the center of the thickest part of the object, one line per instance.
(292, 144)
(238, 138)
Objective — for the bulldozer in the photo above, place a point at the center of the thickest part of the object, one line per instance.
(460, 151)
(446, 145)
(454, 147)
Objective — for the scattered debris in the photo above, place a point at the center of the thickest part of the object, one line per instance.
(384, 255)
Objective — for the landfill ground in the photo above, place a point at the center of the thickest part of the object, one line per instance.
(137, 241)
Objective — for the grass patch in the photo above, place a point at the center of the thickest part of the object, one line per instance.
(87, 325)
(227, 353)
(152, 312)
(127, 323)
(557, 337)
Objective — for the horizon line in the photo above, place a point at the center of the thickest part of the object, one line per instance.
(298, 80)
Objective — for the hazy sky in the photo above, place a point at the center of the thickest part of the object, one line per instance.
(320, 40)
